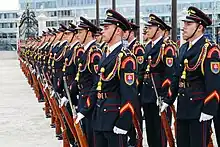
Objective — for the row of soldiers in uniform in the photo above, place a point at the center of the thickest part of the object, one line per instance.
(94, 87)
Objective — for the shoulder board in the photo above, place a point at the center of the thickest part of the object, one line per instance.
(63, 43)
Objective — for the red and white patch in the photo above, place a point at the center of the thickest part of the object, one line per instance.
(169, 62)
(215, 67)
(140, 59)
(129, 78)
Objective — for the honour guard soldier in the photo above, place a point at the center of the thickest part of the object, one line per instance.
(199, 86)
(138, 50)
(130, 35)
(146, 39)
(87, 74)
(116, 86)
(99, 39)
(157, 77)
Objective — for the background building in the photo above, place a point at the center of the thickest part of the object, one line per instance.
(65, 11)
(8, 30)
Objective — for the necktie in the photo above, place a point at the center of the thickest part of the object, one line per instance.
(107, 52)
(190, 45)
(152, 44)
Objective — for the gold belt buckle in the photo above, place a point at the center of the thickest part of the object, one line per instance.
(100, 95)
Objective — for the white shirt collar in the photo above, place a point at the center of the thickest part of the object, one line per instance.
(111, 48)
(131, 41)
(155, 41)
(74, 43)
(195, 40)
(88, 44)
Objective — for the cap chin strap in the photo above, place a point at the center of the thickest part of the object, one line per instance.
(113, 34)
(101, 39)
(164, 33)
(194, 32)
(128, 34)
(85, 37)
(61, 37)
(72, 37)
(155, 32)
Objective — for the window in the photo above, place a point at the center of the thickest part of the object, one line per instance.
(51, 23)
(4, 35)
(11, 35)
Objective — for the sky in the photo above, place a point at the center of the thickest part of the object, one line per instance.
(9, 5)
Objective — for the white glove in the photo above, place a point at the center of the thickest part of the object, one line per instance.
(38, 76)
(33, 71)
(164, 107)
(52, 94)
(64, 101)
(205, 117)
(79, 117)
(46, 86)
(117, 130)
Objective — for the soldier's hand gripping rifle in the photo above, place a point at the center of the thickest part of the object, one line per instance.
(81, 137)
(163, 115)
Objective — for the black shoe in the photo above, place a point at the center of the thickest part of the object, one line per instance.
(40, 100)
(59, 136)
(74, 144)
(52, 125)
(48, 115)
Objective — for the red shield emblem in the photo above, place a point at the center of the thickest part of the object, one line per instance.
(129, 78)
(169, 62)
(215, 67)
(140, 59)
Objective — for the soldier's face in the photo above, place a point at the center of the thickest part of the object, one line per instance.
(98, 38)
(107, 32)
(81, 35)
(151, 31)
(125, 36)
(188, 29)
(145, 37)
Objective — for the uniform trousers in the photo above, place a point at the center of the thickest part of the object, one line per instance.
(192, 133)
(109, 139)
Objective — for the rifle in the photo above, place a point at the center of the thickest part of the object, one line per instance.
(80, 134)
(138, 129)
(55, 105)
(163, 115)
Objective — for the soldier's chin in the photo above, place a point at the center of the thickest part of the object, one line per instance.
(185, 37)
(105, 39)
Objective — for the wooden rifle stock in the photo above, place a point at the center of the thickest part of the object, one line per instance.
(138, 129)
(70, 122)
(164, 121)
(80, 134)
(167, 129)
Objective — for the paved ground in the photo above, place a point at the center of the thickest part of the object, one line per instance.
(22, 122)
